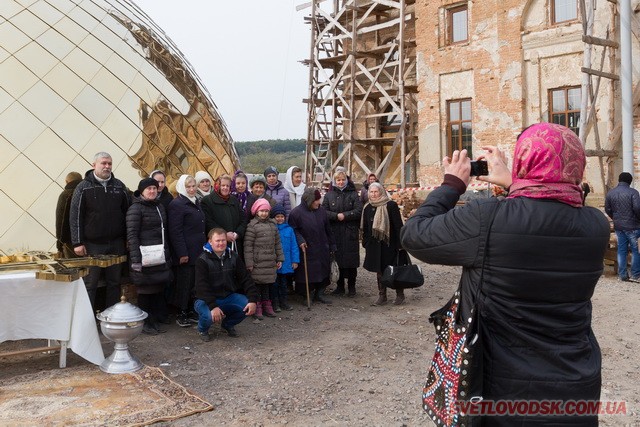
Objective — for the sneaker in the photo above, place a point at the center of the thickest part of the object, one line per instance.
(623, 279)
(183, 321)
(193, 317)
(286, 306)
(634, 279)
(204, 336)
(231, 331)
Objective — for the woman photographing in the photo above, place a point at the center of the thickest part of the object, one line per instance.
(542, 259)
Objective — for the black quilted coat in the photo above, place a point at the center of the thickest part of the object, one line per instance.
(146, 222)
(544, 259)
(347, 232)
(622, 204)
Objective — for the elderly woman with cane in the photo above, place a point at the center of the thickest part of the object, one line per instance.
(310, 223)
(530, 263)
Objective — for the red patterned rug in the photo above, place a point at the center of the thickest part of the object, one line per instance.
(85, 395)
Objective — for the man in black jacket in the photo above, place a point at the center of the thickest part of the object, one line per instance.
(225, 291)
(98, 211)
(622, 204)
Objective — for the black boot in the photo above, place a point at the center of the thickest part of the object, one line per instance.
(148, 328)
(339, 290)
(382, 294)
(284, 305)
(318, 295)
(352, 287)
(399, 297)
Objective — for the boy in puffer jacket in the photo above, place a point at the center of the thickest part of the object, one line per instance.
(284, 280)
(263, 254)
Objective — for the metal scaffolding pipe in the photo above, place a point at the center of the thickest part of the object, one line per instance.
(626, 87)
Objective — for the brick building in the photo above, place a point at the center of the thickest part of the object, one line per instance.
(487, 69)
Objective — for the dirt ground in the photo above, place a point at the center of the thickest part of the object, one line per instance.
(348, 363)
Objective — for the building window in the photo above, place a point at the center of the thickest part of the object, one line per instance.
(459, 126)
(457, 18)
(564, 104)
(564, 10)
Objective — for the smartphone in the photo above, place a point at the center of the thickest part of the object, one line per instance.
(479, 167)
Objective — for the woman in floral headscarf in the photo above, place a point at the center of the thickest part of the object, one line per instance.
(240, 188)
(542, 253)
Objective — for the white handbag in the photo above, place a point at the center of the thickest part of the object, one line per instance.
(335, 272)
(153, 255)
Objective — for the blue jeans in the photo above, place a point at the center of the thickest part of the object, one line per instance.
(625, 239)
(232, 307)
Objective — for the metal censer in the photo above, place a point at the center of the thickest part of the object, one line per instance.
(121, 323)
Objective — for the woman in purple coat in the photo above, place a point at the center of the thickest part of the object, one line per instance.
(276, 190)
(310, 222)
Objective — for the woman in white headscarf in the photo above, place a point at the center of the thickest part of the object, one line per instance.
(294, 185)
(204, 182)
(187, 236)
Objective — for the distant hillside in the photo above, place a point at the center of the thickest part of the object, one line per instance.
(255, 156)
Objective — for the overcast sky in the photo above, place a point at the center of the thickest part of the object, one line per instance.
(247, 54)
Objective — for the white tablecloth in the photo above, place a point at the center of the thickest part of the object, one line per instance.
(33, 309)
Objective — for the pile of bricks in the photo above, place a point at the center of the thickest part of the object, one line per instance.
(408, 201)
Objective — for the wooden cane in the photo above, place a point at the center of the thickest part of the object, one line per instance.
(306, 278)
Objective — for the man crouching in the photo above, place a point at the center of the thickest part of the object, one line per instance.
(225, 292)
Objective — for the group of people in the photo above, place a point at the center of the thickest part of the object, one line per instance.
(278, 238)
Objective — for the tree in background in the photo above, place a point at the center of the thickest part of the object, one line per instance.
(281, 153)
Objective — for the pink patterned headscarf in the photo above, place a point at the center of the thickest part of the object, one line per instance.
(548, 163)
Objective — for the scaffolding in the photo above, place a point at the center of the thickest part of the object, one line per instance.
(607, 49)
(362, 85)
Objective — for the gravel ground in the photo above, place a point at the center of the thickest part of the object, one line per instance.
(348, 363)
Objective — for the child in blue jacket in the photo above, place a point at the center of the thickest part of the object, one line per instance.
(284, 280)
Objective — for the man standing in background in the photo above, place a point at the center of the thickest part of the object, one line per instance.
(63, 232)
(622, 204)
(98, 211)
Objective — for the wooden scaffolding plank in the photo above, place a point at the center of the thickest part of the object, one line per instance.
(604, 74)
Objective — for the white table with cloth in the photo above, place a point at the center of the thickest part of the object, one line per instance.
(31, 308)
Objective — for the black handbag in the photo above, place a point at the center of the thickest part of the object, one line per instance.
(402, 276)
